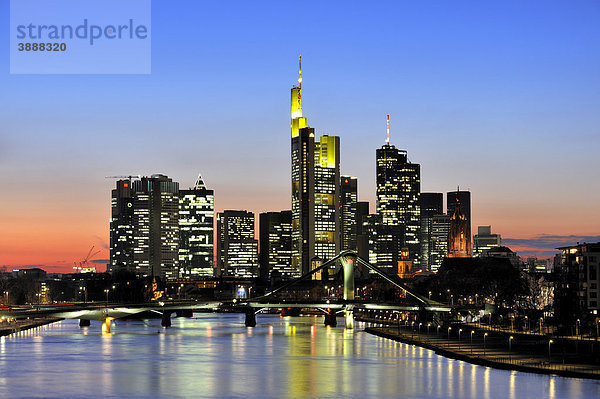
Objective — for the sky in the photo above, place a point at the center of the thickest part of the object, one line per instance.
(498, 97)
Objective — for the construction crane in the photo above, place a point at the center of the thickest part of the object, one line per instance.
(124, 177)
(84, 265)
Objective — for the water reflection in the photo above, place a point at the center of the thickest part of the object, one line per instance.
(216, 356)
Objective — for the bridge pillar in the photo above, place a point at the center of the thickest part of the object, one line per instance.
(166, 319)
(348, 262)
(84, 323)
(330, 318)
(349, 317)
(250, 318)
(106, 325)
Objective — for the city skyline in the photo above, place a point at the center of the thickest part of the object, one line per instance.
(533, 201)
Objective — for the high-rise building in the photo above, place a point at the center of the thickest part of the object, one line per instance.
(362, 237)
(440, 227)
(275, 237)
(462, 199)
(145, 227)
(484, 240)
(196, 218)
(431, 204)
(316, 216)
(327, 203)
(398, 192)
(237, 249)
(383, 242)
(349, 198)
(459, 241)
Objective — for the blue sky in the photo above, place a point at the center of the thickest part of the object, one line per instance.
(498, 97)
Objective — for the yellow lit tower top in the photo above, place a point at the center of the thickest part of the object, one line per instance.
(387, 140)
(298, 122)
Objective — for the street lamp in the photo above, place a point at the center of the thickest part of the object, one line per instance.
(526, 323)
(429, 294)
(428, 324)
(459, 331)
(509, 343)
(449, 328)
(452, 299)
(106, 292)
(541, 320)
(549, 342)
(420, 327)
(484, 337)
(577, 328)
(472, 332)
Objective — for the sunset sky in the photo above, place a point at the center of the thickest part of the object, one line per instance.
(499, 97)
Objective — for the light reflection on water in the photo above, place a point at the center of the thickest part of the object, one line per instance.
(216, 356)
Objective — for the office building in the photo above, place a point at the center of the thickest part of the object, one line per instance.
(316, 219)
(237, 249)
(484, 240)
(398, 192)
(196, 219)
(362, 237)
(144, 227)
(349, 199)
(431, 204)
(440, 228)
(275, 237)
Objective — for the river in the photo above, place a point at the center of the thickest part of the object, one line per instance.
(214, 355)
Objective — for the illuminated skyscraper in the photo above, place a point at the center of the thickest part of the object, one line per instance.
(327, 233)
(349, 199)
(275, 236)
(146, 212)
(196, 217)
(431, 204)
(237, 249)
(440, 226)
(398, 191)
(315, 190)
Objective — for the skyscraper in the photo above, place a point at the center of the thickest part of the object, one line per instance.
(327, 232)
(196, 217)
(349, 197)
(431, 204)
(275, 236)
(145, 227)
(398, 191)
(315, 190)
(237, 249)
(462, 199)
(440, 227)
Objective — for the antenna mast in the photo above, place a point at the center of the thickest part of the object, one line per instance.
(387, 140)
(300, 72)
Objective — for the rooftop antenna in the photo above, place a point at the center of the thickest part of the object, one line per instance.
(300, 72)
(387, 140)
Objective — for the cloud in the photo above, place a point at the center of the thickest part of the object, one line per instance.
(102, 242)
(544, 245)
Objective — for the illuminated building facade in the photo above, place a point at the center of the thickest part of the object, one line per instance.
(398, 192)
(384, 243)
(431, 204)
(275, 236)
(196, 231)
(484, 240)
(145, 227)
(440, 227)
(349, 199)
(577, 285)
(362, 237)
(459, 243)
(316, 216)
(237, 249)
(462, 200)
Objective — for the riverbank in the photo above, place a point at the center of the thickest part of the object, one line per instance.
(481, 354)
(12, 327)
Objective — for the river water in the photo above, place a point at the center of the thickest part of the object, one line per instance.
(214, 355)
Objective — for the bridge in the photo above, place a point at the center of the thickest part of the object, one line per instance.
(251, 307)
